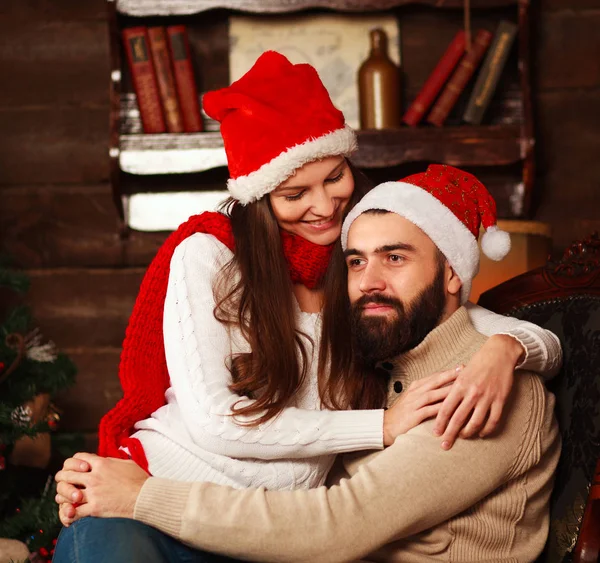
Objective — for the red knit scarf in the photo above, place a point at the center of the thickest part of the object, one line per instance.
(143, 368)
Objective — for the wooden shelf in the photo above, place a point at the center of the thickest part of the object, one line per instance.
(142, 163)
(187, 7)
(490, 145)
(460, 146)
(167, 153)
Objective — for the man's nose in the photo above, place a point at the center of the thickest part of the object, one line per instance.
(372, 279)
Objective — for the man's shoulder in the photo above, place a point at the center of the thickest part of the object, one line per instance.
(476, 342)
(530, 394)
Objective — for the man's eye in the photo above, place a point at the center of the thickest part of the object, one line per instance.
(396, 258)
(354, 262)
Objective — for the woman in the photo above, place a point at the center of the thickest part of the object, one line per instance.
(241, 319)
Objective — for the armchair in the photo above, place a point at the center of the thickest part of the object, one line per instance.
(564, 297)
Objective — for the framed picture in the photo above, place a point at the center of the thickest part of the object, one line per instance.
(335, 44)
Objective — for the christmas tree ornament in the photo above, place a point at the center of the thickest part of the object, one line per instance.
(31, 372)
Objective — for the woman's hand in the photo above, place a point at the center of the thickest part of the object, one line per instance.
(89, 485)
(421, 400)
(477, 398)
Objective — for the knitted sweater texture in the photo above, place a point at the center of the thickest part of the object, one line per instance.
(194, 437)
(143, 370)
(180, 403)
(484, 500)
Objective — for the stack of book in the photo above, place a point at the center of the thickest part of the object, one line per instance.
(163, 78)
(455, 69)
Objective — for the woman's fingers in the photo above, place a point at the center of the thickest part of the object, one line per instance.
(493, 419)
(427, 412)
(456, 423)
(433, 396)
(449, 406)
(476, 422)
(437, 379)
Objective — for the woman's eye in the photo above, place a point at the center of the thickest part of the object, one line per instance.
(295, 197)
(335, 178)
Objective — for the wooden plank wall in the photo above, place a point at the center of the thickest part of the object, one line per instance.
(56, 214)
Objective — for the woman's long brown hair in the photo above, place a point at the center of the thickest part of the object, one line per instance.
(254, 293)
(343, 382)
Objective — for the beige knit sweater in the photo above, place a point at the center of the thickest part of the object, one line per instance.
(484, 500)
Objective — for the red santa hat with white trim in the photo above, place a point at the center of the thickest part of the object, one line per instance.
(274, 119)
(448, 205)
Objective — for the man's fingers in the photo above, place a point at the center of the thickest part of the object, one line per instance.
(59, 499)
(493, 420)
(456, 423)
(66, 514)
(87, 457)
(82, 511)
(73, 477)
(476, 421)
(70, 492)
(73, 464)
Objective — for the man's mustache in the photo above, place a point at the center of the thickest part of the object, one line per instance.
(378, 299)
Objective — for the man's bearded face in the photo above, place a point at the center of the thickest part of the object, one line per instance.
(379, 337)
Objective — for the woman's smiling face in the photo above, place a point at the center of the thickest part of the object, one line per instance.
(311, 203)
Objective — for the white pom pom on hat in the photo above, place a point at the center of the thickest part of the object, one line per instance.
(495, 243)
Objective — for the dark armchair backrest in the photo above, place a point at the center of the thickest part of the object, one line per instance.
(566, 300)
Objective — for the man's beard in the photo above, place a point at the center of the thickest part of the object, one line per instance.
(376, 338)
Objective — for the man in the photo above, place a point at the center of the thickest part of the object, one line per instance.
(411, 252)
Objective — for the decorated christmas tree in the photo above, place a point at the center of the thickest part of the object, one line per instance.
(31, 373)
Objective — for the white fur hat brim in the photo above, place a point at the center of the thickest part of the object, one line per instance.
(257, 184)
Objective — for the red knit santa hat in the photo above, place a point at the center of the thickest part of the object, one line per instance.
(274, 119)
(448, 205)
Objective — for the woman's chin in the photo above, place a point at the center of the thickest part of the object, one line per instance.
(324, 238)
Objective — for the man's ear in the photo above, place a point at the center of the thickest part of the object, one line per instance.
(453, 283)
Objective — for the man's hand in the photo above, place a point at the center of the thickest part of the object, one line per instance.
(89, 485)
(421, 400)
(475, 403)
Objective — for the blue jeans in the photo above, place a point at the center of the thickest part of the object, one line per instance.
(120, 540)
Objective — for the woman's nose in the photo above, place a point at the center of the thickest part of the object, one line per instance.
(323, 204)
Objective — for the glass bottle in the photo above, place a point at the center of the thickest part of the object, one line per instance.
(379, 87)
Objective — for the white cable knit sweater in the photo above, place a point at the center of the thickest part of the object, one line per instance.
(193, 438)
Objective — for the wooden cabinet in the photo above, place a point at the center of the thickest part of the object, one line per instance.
(500, 151)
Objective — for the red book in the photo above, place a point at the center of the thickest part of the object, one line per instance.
(436, 80)
(135, 40)
(460, 78)
(159, 49)
(184, 78)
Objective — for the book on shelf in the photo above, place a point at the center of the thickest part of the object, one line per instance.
(460, 78)
(488, 77)
(137, 49)
(436, 80)
(185, 81)
(157, 38)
